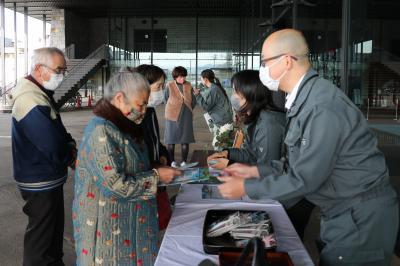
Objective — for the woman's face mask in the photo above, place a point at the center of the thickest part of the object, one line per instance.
(136, 116)
(141, 103)
(204, 82)
(156, 93)
(156, 98)
(180, 79)
(237, 102)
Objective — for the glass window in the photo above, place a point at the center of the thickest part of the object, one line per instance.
(9, 46)
(374, 56)
(322, 27)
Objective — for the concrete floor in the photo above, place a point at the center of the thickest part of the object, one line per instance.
(13, 221)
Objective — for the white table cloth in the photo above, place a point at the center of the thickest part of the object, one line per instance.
(182, 243)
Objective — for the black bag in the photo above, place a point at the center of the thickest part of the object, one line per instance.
(258, 253)
(207, 262)
(254, 244)
(259, 256)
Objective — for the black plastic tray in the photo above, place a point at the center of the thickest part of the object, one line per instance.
(214, 245)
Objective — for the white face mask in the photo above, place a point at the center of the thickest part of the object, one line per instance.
(235, 102)
(265, 77)
(54, 81)
(156, 98)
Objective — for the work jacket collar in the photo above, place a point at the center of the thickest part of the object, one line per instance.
(304, 90)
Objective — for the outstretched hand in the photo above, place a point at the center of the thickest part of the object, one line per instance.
(196, 91)
(242, 170)
(222, 154)
(232, 188)
(167, 174)
(219, 163)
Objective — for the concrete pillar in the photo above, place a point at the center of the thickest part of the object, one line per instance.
(57, 32)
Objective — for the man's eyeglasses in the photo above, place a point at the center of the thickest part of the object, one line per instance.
(263, 61)
(58, 70)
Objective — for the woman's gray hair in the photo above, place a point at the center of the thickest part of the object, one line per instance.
(127, 82)
(44, 56)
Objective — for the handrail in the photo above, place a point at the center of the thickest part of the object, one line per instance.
(69, 51)
(385, 53)
(99, 53)
(4, 97)
(8, 88)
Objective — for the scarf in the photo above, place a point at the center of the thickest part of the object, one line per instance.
(111, 113)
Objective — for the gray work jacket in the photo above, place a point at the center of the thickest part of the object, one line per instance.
(332, 154)
(213, 101)
(263, 141)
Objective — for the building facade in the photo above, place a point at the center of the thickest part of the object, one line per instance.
(354, 43)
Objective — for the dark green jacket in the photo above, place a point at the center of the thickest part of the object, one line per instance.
(263, 139)
(333, 156)
(216, 104)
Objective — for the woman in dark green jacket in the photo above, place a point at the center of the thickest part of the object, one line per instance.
(264, 123)
(214, 101)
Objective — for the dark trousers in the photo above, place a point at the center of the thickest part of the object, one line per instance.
(43, 241)
(299, 214)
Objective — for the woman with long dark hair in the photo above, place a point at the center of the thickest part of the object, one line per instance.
(214, 101)
(264, 123)
(156, 77)
(158, 154)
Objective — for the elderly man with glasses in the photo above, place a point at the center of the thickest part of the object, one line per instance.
(42, 151)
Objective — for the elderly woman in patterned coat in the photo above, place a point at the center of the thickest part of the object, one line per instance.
(114, 208)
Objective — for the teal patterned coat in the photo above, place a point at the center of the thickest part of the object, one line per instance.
(114, 208)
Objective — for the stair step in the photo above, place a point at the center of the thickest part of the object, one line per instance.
(79, 70)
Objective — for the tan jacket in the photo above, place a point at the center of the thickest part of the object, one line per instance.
(176, 99)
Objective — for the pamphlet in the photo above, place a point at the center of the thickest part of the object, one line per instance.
(196, 175)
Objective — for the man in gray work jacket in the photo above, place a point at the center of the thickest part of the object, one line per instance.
(331, 158)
